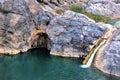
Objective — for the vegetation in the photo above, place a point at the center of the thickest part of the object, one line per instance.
(97, 18)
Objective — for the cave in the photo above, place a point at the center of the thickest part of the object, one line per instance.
(40, 40)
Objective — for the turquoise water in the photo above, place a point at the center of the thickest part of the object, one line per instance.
(37, 64)
(112, 22)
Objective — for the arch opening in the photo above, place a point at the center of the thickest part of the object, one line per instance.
(40, 39)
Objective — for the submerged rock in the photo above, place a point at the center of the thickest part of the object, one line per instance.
(74, 35)
(108, 8)
(108, 57)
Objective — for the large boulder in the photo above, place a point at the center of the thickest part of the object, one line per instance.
(108, 8)
(74, 35)
(108, 57)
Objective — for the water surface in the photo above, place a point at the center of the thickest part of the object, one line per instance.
(37, 64)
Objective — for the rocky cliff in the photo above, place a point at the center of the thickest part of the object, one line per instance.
(26, 24)
(20, 19)
(108, 57)
(23, 22)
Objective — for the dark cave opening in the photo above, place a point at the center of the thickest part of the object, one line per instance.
(40, 40)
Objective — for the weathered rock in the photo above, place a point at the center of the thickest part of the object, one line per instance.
(108, 8)
(15, 26)
(56, 7)
(94, 1)
(26, 24)
(39, 39)
(19, 19)
(73, 34)
(108, 57)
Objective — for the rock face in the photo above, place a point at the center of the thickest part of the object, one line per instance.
(26, 24)
(22, 21)
(73, 34)
(109, 8)
(108, 57)
(57, 7)
(18, 21)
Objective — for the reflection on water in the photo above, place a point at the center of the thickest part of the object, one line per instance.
(37, 64)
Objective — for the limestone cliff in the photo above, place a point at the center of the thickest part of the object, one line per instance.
(19, 19)
(22, 21)
(108, 57)
(26, 24)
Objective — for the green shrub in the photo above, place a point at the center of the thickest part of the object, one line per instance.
(77, 9)
(97, 18)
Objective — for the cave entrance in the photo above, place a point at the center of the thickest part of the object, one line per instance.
(40, 40)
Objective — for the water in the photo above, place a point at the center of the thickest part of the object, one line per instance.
(115, 23)
(92, 56)
(38, 65)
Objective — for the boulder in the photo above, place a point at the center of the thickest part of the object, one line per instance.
(108, 57)
(74, 35)
(108, 8)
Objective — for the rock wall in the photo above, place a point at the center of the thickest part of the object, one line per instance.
(18, 21)
(108, 8)
(108, 57)
(71, 34)
(26, 24)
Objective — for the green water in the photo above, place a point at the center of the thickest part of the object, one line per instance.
(38, 65)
